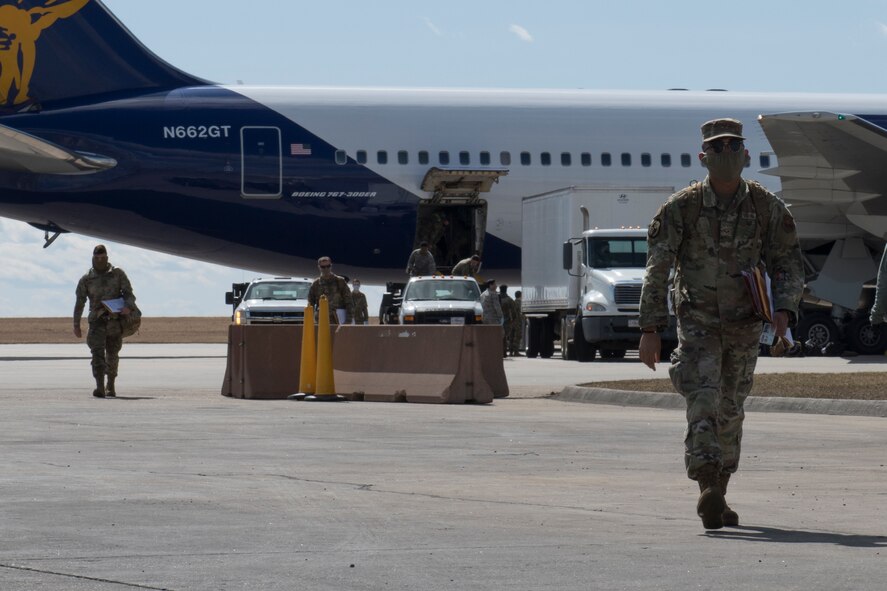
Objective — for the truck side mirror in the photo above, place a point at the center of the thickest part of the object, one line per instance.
(568, 255)
(229, 298)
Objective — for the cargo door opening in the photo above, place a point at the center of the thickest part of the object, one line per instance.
(454, 220)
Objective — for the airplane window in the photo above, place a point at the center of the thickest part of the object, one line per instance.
(545, 159)
(665, 160)
(382, 157)
(485, 158)
(626, 159)
(685, 160)
(586, 159)
(341, 157)
(765, 160)
(444, 157)
(361, 156)
(403, 157)
(464, 158)
(525, 158)
(505, 158)
(566, 159)
(606, 159)
(423, 157)
(646, 160)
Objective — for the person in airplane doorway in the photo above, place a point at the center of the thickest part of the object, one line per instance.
(335, 289)
(879, 309)
(421, 263)
(359, 301)
(710, 232)
(110, 296)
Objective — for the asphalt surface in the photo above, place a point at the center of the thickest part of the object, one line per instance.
(172, 486)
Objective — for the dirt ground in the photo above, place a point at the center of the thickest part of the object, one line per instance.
(154, 330)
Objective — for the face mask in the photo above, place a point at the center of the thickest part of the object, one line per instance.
(356, 288)
(100, 263)
(725, 166)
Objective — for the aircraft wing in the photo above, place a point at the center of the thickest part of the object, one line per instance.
(831, 167)
(23, 152)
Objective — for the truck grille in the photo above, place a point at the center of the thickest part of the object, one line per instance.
(443, 317)
(263, 317)
(628, 294)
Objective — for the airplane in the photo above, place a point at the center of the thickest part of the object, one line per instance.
(99, 136)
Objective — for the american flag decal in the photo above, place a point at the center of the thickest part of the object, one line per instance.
(300, 149)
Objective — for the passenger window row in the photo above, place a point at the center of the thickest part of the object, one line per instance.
(463, 158)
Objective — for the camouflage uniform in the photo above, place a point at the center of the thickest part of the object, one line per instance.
(421, 264)
(361, 310)
(509, 316)
(337, 293)
(489, 301)
(718, 331)
(104, 337)
(879, 309)
(515, 336)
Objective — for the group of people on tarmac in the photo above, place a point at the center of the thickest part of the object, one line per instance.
(698, 242)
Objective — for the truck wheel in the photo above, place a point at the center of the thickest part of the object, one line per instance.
(584, 351)
(533, 337)
(818, 327)
(546, 344)
(866, 339)
(568, 350)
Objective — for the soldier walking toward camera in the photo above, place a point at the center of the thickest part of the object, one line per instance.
(710, 232)
(103, 282)
(335, 289)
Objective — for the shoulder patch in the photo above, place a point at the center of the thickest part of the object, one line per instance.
(654, 228)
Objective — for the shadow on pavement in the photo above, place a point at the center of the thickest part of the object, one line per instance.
(791, 536)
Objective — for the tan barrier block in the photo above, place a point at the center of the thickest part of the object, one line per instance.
(263, 361)
(434, 364)
(431, 364)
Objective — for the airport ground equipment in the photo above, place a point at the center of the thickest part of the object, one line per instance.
(582, 269)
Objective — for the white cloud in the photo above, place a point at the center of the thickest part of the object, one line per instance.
(432, 26)
(882, 28)
(521, 33)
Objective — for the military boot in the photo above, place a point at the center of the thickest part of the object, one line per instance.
(711, 505)
(99, 391)
(109, 389)
(731, 518)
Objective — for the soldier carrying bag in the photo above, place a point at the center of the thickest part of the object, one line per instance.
(130, 324)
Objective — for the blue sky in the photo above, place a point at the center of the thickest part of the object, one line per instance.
(813, 46)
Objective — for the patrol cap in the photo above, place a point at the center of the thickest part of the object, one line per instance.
(99, 249)
(718, 128)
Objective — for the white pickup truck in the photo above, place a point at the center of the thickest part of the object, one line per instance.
(441, 300)
(276, 300)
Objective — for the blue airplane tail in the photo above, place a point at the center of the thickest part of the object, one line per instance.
(56, 53)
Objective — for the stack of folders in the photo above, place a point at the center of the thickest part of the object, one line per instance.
(758, 284)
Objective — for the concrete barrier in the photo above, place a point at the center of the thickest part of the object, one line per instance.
(430, 364)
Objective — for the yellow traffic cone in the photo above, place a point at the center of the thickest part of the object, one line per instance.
(308, 361)
(326, 388)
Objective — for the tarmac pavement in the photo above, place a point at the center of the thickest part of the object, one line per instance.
(172, 486)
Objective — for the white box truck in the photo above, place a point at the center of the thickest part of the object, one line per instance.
(584, 253)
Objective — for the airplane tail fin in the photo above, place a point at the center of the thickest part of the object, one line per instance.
(56, 52)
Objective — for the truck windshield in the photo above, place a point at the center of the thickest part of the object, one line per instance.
(443, 289)
(606, 253)
(278, 290)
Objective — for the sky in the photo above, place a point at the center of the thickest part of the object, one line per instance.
(774, 46)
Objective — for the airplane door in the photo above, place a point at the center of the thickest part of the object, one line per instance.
(261, 162)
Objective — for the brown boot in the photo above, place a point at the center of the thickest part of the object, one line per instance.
(711, 505)
(731, 518)
(99, 391)
(110, 392)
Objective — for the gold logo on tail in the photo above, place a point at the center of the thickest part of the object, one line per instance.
(19, 31)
